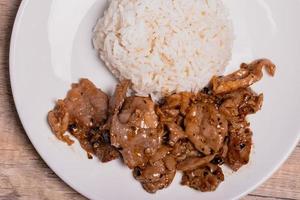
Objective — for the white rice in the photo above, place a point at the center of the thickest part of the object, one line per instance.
(165, 46)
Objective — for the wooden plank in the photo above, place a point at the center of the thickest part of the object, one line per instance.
(23, 174)
(285, 183)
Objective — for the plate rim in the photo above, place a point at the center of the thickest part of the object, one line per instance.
(12, 67)
(13, 43)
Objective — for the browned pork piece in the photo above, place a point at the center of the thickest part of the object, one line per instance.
(196, 133)
(159, 171)
(204, 178)
(240, 103)
(83, 112)
(117, 100)
(135, 130)
(194, 162)
(172, 113)
(85, 105)
(205, 126)
(101, 147)
(242, 78)
(184, 149)
(236, 106)
(239, 145)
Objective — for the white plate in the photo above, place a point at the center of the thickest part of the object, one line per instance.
(51, 47)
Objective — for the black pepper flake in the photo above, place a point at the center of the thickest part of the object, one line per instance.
(89, 156)
(205, 90)
(106, 137)
(95, 129)
(242, 145)
(217, 160)
(247, 131)
(219, 101)
(137, 171)
(72, 128)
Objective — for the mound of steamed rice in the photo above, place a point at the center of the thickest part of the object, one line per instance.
(165, 46)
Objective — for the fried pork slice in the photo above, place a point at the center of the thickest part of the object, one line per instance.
(84, 107)
(194, 162)
(242, 78)
(135, 131)
(117, 100)
(180, 101)
(236, 106)
(184, 149)
(239, 145)
(205, 127)
(241, 103)
(159, 171)
(83, 110)
(204, 178)
(172, 112)
(101, 147)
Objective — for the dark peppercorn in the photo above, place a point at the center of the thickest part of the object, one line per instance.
(219, 101)
(95, 129)
(106, 137)
(166, 138)
(72, 128)
(137, 171)
(89, 156)
(205, 173)
(242, 145)
(217, 160)
(205, 90)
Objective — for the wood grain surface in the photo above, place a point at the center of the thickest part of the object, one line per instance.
(24, 175)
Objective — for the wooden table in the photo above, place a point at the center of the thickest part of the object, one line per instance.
(24, 175)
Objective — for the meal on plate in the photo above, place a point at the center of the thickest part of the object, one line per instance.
(172, 109)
